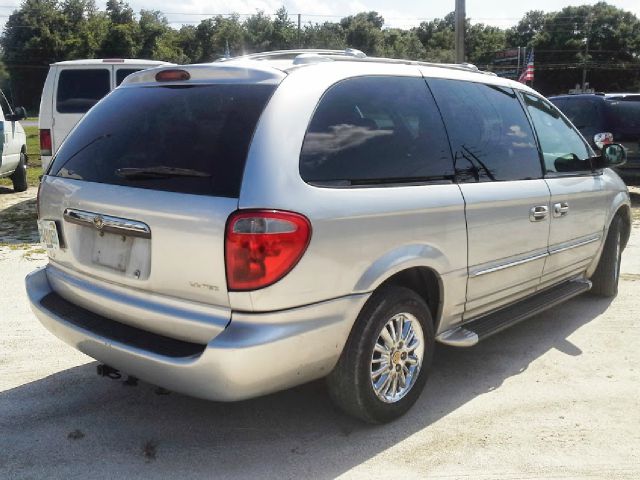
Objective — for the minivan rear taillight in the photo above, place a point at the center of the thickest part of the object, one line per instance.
(45, 142)
(262, 246)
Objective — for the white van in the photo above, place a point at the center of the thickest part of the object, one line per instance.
(72, 88)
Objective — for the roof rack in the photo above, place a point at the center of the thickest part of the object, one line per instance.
(293, 54)
(301, 57)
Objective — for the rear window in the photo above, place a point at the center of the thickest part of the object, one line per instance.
(624, 116)
(189, 138)
(79, 90)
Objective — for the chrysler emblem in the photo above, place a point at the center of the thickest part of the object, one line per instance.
(98, 222)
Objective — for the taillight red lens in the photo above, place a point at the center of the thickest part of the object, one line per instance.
(262, 246)
(45, 142)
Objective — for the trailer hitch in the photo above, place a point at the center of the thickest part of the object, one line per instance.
(107, 371)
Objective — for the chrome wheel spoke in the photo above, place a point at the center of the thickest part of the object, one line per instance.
(386, 338)
(382, 387)
(394, 385)
(396, 357)
(392, 330)
(411, 360)
(402, 377)
(399, 328)
(381, 349)
(413, 346)
(380, 371)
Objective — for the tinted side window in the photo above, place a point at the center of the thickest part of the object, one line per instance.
(562, 147)
(490, 134)
(79, 90)
(123, 73)
(581, 112)
(375, 129)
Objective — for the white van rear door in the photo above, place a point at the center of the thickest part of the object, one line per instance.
(76, 90)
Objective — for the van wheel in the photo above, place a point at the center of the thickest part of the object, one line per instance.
(607, 274)
(19, 177)
(384, 365)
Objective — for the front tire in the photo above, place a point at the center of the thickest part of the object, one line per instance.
(19, 177)
(607, 275)
(384, 365)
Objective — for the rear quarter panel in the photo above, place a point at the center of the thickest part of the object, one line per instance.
(360, 236)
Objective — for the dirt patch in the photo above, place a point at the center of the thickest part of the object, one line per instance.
(630, 277)
(634, 193)
(18, 219)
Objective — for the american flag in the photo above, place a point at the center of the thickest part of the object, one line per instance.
(527, 73)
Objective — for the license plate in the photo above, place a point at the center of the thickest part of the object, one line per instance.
(49, 235)
(112, 251)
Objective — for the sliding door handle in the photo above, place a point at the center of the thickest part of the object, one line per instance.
(560, 209)
(539, 213)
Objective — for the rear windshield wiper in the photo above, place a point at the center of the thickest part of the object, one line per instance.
(141, 173)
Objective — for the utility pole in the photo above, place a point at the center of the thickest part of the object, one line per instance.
(299, 30)
(459, 23)
(586, 54)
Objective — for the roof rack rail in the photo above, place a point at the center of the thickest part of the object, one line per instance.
(301, 57)
(292, 54)
(398, 61)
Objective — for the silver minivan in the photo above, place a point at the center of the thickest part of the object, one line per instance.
(237, 228)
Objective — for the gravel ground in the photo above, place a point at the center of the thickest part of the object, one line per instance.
(555, 397)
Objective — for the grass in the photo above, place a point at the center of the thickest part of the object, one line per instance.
(34, 169)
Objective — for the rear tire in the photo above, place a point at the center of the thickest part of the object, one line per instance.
(355, 384)
(19, 177)
(607, 274)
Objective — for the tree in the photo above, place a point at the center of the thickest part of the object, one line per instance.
(123, 36)
(560, 42)
(364, 32)
(438, 38)
(285, 31)
(400, 43)
(259, 31)
(32, 39)
(327, 35)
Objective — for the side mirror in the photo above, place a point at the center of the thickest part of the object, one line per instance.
(613, 155)
(19, 114)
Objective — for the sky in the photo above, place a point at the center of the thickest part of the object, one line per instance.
(397, 13)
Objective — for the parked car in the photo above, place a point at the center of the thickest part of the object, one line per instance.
(13, 149)
(607, 118)
(237, 228)
(72, 88)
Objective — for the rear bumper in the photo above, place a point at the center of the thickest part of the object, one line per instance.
(255, 355)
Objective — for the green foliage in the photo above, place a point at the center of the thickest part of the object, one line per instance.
(364, 32)
(41, 32)
(560, 41)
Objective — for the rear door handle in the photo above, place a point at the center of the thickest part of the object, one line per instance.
(539, 213)
(560, 209)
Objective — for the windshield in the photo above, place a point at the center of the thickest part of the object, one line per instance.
(197, 128)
